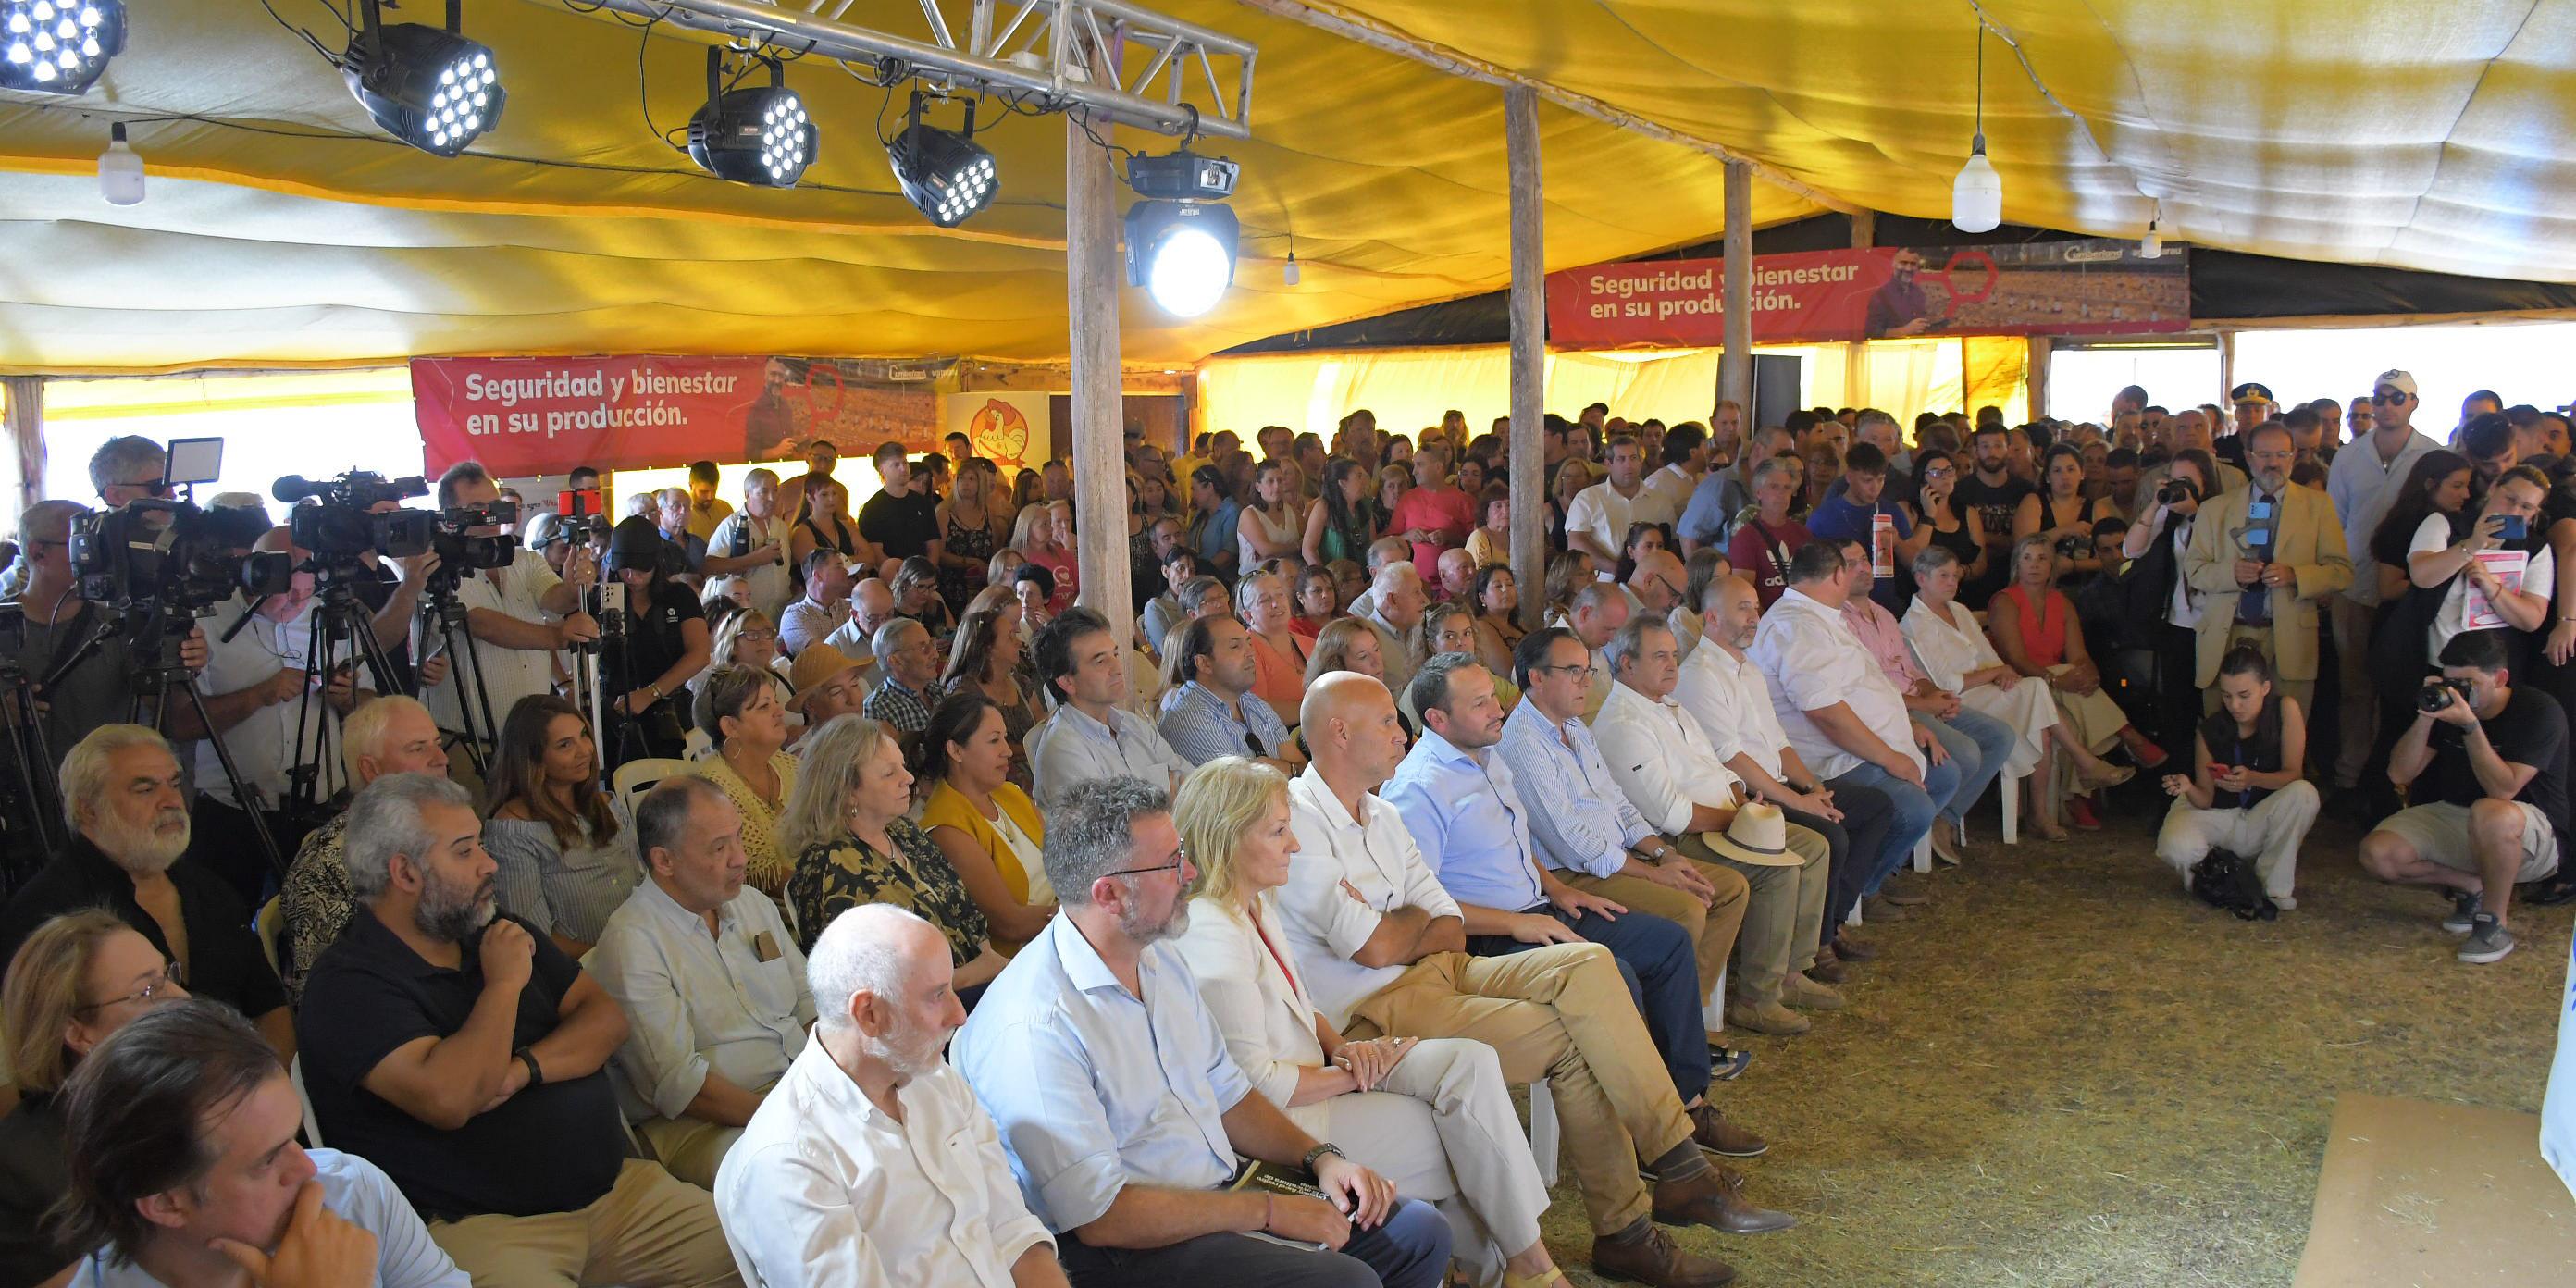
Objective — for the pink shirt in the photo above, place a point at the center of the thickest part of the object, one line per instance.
(1450, 514)
(1885, 640)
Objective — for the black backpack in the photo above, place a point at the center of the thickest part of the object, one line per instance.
(2226, 879)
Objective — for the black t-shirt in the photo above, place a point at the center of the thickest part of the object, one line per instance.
(33, 1173)
(224, 958)
(2531, 730)
(904, 525)
(553, 1147)
(655, 639)
(1995, 504)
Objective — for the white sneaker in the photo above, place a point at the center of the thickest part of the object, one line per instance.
(2284, 902)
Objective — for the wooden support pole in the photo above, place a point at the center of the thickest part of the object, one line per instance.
(1735, 366)
(1864, 234)
(2037, 379)
(1099, 432)
(1529, 354)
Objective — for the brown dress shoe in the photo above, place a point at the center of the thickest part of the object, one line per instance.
(1849, 949)
(1828, 970)
(1903, 898)
(1718, 1136)
(1878, 910)
(1653, 1258)
(1714, 1198)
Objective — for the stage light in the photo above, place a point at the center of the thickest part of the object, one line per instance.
(427, 86)
(759, 135)
(58, 46)
(944, 174)
(120, 171)
(1182, 253)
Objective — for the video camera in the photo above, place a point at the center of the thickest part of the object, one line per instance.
(345, 524)
(460, 550)
(160, 553)
(581, 522)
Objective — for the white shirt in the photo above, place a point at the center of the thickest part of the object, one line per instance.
(2184, 611)
(1071, 747)
(2539, 578)
(824, 1189)
(732, 1003)
(1732, 703)
(1602, 512)
(263, 744)
(1947, 650)
(1661, 497)
(1812, 661)
(509, 674)
(1661, 758)
(1376, 855)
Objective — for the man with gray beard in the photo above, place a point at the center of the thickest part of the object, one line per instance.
(129, 821)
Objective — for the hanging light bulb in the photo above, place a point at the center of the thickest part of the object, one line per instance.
(1289, 274)
(2152, 246)
(120, 170)
(1977, 195)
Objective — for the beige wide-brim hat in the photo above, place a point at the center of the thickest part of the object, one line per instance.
(1759, 836)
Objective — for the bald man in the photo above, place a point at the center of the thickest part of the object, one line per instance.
(1656, 586)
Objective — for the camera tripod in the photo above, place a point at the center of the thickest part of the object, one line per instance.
(343, 633)
(31, 778)
(157, 634)
(442, 619)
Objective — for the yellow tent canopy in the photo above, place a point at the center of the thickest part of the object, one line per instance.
(283, 229)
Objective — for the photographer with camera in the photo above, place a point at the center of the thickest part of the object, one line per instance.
(2486, 765)
(666, 644)
(2265, 556)
(517, 614)
(75, 689)
(2164, 610)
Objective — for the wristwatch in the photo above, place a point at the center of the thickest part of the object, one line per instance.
(536, 1075)
(1328, 1147)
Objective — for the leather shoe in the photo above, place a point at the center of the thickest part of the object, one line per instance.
(1714, 1198)
(1827, 970)
(1903, 898)
(1807, 995)
(1849, 949)
(1879, 908)
(1767, 1017)
(1718, 1136)
(1653, 1258)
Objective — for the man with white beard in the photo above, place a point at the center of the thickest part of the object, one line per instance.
(870, 1161)
(129, 819)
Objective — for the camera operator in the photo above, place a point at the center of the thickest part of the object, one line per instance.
(98, 688)
(507, 612)
(2487, 765)
(2162, 604)
(666, 643)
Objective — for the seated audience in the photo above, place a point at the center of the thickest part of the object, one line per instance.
(983, 822)
(908, 671)
(1279, 652)
(870, 1161)
(1120, 1108)
(828, 683)
(1491, 542)
(2033, 628)
(823, 607)
(1318, 599)
(185, 1171)
(387, 735)
(1593, 613)
(1396, 616)
(122, 796)
(749, 638)
(1209, 709)
(564, 844)
(1768, 536)
(871, 608)
(461, 1051)
(915, 591)
(847, 825)
(709, 977)
(1664, 765)
(1090, 736)
(1496, 599)
(1164, 611)
(1382, 947)
(740, 710)
(1451, 628)
(1457, 574)
(990, 660)
(78, 978)
(2485, 765)
(2244, 793)
(1033, 585)
(1434, 1117)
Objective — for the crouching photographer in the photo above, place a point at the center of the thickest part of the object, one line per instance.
(665, 643)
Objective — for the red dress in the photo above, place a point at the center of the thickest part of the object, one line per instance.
(2043, 633)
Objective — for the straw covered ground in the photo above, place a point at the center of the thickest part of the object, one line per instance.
(2065, 1071)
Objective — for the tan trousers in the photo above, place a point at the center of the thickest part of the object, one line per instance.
(1784, 916)
(689, 1148)
(1713, 926)
(2358, 699)
(2261, 638)
(651, 1230)
(1559, 1013)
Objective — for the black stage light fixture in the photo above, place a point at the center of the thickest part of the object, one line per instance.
(758, 136)
(427, 86)
(1182, 253)
(58, 46)
(1182, 176)
(946, 175)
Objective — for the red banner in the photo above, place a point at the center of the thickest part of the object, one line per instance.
(529, 416)
(2088, 287)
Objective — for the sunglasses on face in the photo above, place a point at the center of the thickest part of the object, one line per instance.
(2387, 399)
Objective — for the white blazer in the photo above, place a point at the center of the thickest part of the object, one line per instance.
(1269, 1024)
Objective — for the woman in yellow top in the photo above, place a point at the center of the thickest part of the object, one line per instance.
(738, 707)
(989, 828)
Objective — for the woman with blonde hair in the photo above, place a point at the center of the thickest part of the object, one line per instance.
(846, 825)
(748, 721)
(1433, 1116)
(76, 979)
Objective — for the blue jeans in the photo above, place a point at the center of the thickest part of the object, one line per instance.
(1978, 744)
(1916, 807)
(1660, 965)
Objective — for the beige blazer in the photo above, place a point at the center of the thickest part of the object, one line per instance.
(1269, 1027)
(2310, 541)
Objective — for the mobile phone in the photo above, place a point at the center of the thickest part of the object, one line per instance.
(2511, 527)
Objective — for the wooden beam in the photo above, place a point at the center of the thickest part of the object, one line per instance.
(1864, 234)
(1529, 353)
(1091, 273)
(2037, 378)
(1735, 364)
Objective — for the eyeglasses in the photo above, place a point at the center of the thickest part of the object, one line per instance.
(1585, 667)
(761, 637)
(171, 973)
(1178, 860)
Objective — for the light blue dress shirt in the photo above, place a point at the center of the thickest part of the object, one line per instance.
(1095, 1088)
(1199, 727)
(1578, 816)
(1467, 820)
(1071, 748)
(357, 1192)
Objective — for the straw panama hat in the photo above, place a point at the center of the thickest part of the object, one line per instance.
(1759, 836)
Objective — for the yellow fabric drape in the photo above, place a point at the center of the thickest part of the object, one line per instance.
(1996, 369)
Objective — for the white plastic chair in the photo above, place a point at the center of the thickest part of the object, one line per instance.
(312, 1125)
(1543, 1132)
(636, 777)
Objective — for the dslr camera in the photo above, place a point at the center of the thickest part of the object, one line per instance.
(2174, 489)
(2437, 692)
(343, 526)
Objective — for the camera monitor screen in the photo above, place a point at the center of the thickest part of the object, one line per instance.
(194, 460)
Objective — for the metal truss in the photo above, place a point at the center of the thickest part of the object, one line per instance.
(1185, 80)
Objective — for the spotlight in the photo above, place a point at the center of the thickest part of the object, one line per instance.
(946, 175)
(1182, 253)
(758, 136)
(427, 86)
(58, 46)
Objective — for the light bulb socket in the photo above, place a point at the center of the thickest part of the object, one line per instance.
(116, 133)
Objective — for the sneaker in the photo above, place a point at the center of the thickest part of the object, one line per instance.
(2284, 902)
(2464, 912)
(1726, 1063)
(2488, 942)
